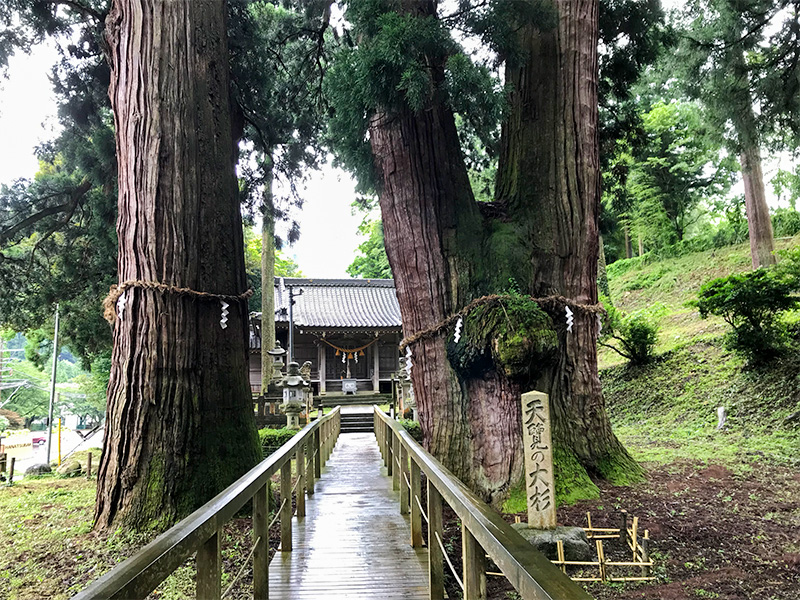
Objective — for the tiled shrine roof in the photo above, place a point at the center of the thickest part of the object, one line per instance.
(337, 304)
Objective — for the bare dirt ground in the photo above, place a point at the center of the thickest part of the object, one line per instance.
(715, 534)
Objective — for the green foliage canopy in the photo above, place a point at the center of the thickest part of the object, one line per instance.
(678, 168)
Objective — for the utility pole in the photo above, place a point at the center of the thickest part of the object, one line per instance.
(52, 390)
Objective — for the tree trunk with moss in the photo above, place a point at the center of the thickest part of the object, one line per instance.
(180, 423)
(549, 178)
(446, 250)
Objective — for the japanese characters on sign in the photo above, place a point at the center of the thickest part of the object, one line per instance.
(538, 447)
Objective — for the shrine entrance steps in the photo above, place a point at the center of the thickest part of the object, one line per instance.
(357, 419)
(353, 542)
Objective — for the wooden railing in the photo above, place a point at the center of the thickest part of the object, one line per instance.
(200, 532)
(484, 532)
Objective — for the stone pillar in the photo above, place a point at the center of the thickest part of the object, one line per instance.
(321, 353)
(538, 447)
(376, 367)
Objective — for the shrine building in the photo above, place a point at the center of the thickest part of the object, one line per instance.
(349, 329)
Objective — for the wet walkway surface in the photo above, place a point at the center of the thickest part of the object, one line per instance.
(353, 542)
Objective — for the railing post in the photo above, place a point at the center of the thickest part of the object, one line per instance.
(286, 510)
(209, 569)
(404, 491)
(3, 461)
(396, 461)
(309, 467)
(11, 470)
(317, 454)
(435, 555)
(300, 460)
(329, 445)
(474, 566)
(389, 452)
(416, 508)
(261, 533)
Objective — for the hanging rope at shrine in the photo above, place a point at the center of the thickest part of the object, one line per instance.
(348, 352)
(554, 301)
(116, 292)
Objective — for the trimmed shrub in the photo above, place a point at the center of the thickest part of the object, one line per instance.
(272, 439)
(413, 428)
(752, 304)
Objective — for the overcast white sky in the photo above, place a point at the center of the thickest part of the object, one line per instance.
(328, 238)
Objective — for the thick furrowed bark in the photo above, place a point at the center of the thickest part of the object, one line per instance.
(418, 200)
(496, 425)
(552, 132)
(180, 422)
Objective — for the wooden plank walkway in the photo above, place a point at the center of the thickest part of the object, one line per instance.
(353, 542)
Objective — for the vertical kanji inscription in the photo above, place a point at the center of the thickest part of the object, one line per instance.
(537, 441)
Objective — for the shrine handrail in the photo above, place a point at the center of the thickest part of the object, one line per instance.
(484, 532)
(140, 574)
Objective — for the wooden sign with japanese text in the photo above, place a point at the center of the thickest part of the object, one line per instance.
(538, 445)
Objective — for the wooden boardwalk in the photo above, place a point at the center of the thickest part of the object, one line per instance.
(353, 542)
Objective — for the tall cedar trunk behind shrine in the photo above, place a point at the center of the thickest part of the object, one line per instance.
(180, 422)
(549, 179)
(267, 276)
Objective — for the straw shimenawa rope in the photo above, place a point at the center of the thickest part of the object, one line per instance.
(559, 301)
(110, 303)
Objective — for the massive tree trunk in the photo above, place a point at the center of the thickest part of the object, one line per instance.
(549, 177)
(446, 250)
(267, 276)
(180, 422)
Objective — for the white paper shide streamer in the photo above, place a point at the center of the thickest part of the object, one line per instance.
(599, 324)
(121, 302)
(457, 334)
(223, 322)
(408, 361)
(569, 319)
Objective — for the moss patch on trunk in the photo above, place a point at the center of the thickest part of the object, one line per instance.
(512, 335)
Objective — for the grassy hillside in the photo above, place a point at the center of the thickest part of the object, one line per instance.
(668, 409)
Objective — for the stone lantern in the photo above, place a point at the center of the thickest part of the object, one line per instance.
(406, 392)
(293, 386)
(277, 354)
(305, 372)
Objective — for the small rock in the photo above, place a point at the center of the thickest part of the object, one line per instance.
(69, 468)
(38, 469)
(576, 544)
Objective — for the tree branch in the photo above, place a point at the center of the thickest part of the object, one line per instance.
(68, 207)
(78, 7)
